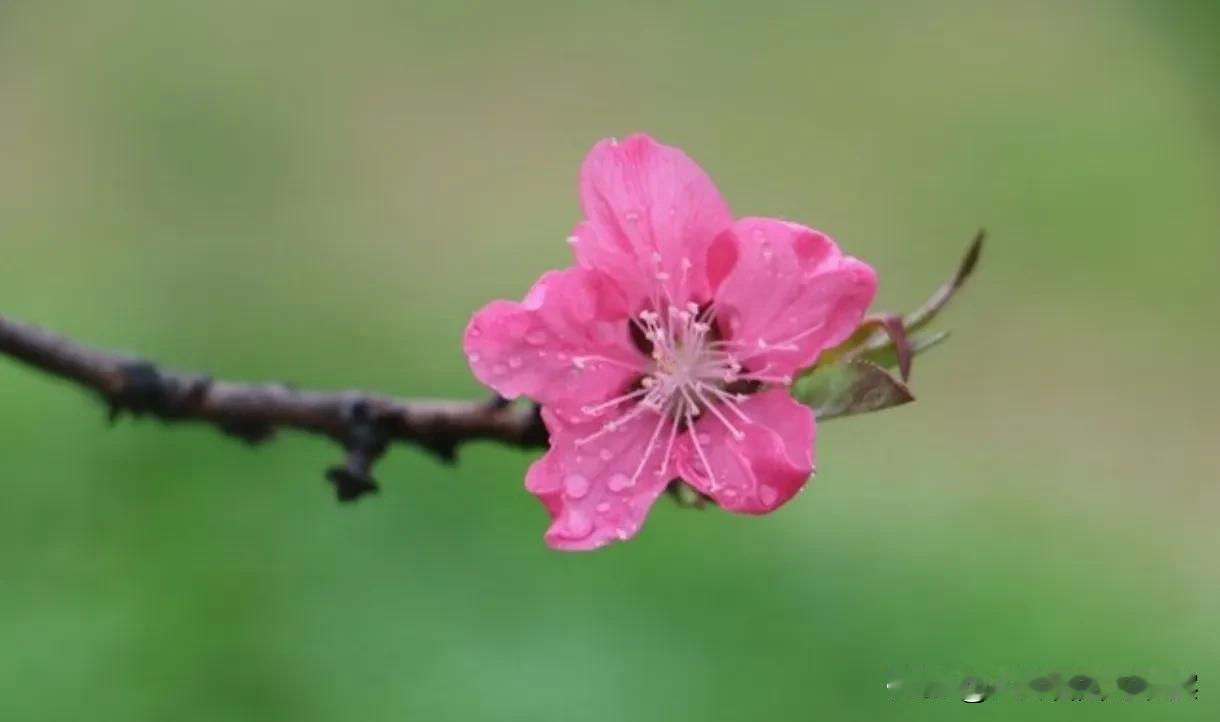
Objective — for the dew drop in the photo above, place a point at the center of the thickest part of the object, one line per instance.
(536, 338)
(474, 357)
(476, 331)
(618, 482)
(603, 507)
(767, 495)
(499, 369)
(703, 439)
(579, 524)
(606, 454)
(575, 485)
(515, 362)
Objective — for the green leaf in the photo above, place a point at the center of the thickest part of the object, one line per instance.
(886, 356)
(850, 387)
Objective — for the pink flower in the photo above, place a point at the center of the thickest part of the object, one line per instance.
(667, 350)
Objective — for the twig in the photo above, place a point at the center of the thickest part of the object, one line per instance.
(362, 422)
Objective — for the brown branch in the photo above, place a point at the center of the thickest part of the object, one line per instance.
(364, 423)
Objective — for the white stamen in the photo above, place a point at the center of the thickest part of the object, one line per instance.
(595, 410)
(690, 373)
(707, 465)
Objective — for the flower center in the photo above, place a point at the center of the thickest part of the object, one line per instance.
(692, 372)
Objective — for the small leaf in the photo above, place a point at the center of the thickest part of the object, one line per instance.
(882, 338)
(852, 387)
(888, 329)
(863, 334)
(923, 315)
(894, 328)
(886, 356)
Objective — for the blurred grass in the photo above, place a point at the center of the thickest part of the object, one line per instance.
(323, 193)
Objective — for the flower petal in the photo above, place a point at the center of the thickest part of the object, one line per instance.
(651, 213)
(567, 344)
(763, 469)
(600, 491)
(790, 294)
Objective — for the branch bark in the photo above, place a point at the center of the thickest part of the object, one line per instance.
(364, 423)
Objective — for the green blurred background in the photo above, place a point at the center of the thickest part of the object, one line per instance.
(323, 192)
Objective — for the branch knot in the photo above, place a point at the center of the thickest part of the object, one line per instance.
(365, 440)
(140, 389)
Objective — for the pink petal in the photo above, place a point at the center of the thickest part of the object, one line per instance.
(790, 294)
(600, 491)
(651, 214)
(763, 469)
(566, 345)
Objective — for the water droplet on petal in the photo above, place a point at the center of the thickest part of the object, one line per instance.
(499, 369)
(703, 439)
(579, 524)
(606, 454)
(618, 482)
(767, 495)
(603, 507)
(476, 331)
(515, 362)
(474, 357)
(536, 338)
(575, 485)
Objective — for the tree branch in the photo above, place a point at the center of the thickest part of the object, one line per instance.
(848, 379)
(362, 422)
